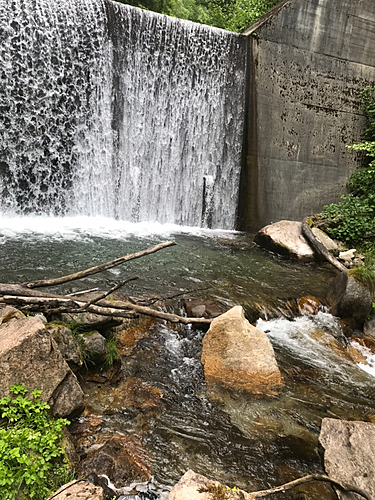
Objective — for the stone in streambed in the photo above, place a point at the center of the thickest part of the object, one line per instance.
(30, 356)
(236, 354)
(349, 299)
(349, 454)
(285, 238)
(78, 491)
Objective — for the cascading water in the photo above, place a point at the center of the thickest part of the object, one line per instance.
(110, 110)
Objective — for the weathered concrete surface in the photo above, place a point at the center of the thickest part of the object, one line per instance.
(349, 454)
(308, 61)
(236, 354)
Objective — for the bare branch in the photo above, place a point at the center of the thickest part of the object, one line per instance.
(106, 308)
(98, 269)
(308, 479)
(105, 294)
(320, 248)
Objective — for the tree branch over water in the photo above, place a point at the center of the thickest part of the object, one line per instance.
(25, 297)
(98, 269)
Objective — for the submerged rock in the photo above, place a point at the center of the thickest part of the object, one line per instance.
(285, 238)
(349, 454)
(238, 355)
(120, 457)
(308, 305)
(29, 355)
(349, 299)
(201, 308)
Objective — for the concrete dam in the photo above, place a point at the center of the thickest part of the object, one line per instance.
(110, 110)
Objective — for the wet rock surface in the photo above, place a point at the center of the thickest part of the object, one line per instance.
(348, 299)
(82, 490)
(29, 355)
(202, 308)
(349, 454)
(238, 355)
(120, 457)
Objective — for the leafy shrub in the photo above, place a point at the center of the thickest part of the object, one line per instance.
(353, 219)
(32, 459)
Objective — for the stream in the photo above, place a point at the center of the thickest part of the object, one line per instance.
(233, 437)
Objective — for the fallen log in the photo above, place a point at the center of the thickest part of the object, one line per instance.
(320, 248)
(98, 269)
(120, 309)
(216, 489)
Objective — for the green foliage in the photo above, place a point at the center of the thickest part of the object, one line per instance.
(353, 219)
(365, 275)
(112, 352)
(32, 459)
(233, 15)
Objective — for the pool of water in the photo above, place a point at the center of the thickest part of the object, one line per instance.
(249, 442)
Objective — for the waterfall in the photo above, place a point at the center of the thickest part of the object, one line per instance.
(110, 110)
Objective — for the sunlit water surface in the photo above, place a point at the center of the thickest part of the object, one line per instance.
(227, 435)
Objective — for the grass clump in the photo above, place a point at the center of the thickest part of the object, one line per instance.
(32, 458)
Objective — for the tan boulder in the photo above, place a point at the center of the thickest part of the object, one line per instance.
(188, 487)
(285, 238)
(236, 354)
(30, 356)
(82, 490)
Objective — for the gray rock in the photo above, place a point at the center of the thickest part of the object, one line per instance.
(348, 299)
(369, 327)
(349, 454)
(201, 308)
(94, 345)
(66, 343)
(285, 238)
(324, 239)
(29, 355)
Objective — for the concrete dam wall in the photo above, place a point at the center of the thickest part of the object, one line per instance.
(308, 61)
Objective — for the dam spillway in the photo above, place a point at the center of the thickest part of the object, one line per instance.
(111, 110)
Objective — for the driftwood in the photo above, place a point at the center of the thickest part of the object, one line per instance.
(217, 490)
(25, 297)
(305, 480)
(98, 269)
(319, 248)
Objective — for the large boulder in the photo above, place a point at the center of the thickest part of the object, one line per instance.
(236, 354)
(349, 454)
(30, 356)
(349, 299)
(285, 238)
